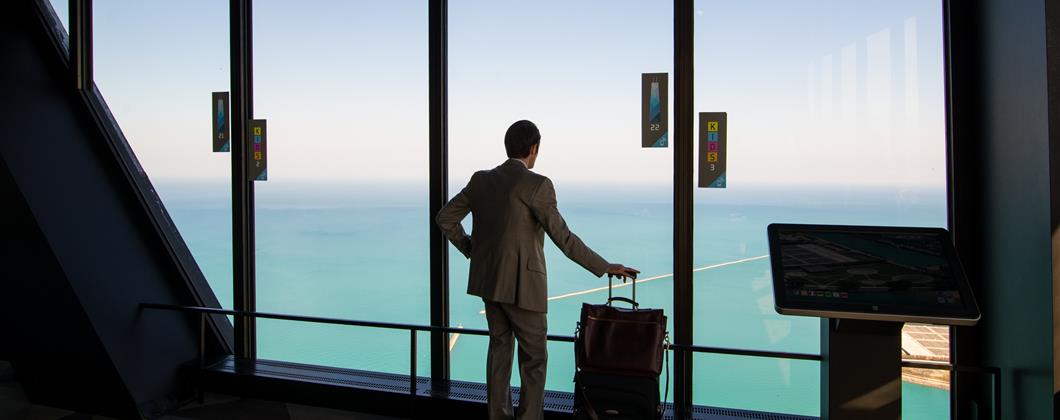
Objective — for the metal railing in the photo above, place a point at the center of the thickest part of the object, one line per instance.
(994, 372)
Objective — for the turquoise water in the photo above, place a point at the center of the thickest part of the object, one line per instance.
(358, 251)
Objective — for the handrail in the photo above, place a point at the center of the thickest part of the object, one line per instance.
(468, 331)
(994, 372)
(334, 321)
(745, 352)
(551, 337)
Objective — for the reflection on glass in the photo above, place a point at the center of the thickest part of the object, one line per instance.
(157, 80)
(341, 223)
(835, 116)
(579, 81)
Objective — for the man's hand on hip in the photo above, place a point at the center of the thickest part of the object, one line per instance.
(621, 270)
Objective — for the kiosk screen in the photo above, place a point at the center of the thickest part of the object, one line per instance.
(902, 274)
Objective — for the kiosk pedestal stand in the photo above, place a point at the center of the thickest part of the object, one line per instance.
(861, 369)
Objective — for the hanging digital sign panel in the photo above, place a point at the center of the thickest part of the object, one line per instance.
(222, 134)
(713, 149)
(654, 110)
(258, 165)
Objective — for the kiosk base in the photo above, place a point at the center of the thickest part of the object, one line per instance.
(861, 369)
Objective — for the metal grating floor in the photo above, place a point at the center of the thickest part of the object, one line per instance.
(555, 401)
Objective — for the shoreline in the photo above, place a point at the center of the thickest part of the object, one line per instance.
(934, 378)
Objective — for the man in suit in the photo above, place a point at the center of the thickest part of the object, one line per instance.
(512, 209)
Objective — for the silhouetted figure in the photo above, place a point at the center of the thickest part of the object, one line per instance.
(512, 209)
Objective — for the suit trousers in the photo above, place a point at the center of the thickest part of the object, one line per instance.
(530, 329)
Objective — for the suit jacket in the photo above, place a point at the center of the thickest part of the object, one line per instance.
(512, 208)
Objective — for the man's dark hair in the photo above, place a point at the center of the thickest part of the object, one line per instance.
(520, 137)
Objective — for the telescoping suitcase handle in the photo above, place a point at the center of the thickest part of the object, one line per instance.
(632, 301)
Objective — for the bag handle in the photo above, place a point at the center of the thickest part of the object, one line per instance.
(633, 301)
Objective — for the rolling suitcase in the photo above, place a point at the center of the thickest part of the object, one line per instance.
(618, 355)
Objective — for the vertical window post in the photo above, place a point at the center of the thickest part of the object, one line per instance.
(439, 177)
(81, 43)
(683, 160)
(242, 104)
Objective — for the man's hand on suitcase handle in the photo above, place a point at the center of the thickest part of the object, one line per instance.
(622, 271)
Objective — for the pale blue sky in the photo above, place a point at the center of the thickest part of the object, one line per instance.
(62, 9)
(818, 92)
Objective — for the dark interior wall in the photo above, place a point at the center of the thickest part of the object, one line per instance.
(100, 254)
(1001, 187)
(50, 373)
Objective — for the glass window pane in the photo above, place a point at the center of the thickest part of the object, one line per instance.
(62, 9)
(925, 392)
(157, 80)
(835, 116)
(925, 401)
(756, 383)
(576, 75)
(343, 346)
(342, 220)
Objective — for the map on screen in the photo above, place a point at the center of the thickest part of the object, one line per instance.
(869, 273)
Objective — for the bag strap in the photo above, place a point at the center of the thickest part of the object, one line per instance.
(589, 406)
(666, 394)
(585, 399)
(578, 386)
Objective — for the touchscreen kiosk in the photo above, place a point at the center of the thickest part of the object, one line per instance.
(872, 273)
(864, 283)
